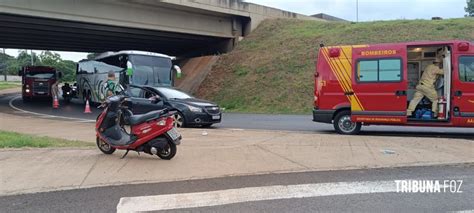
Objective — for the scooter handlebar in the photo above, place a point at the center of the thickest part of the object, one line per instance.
(102, 105)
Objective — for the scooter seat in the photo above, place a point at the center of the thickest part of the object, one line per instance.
(138, 119)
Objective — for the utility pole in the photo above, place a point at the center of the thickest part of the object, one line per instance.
(32, 62)
(357, 10)
(4, 65)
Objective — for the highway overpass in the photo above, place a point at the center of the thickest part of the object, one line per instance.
(175, 27)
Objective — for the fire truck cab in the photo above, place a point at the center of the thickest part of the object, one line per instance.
(38, 81)
(373, 85)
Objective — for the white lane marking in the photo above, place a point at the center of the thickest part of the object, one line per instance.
(44, 115)
(229, 196)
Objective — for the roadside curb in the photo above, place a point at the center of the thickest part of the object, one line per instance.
(45, 149)
(58, 189)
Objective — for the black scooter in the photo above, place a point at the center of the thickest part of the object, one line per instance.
(68, 92)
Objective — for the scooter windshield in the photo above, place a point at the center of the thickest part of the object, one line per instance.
(114, 102)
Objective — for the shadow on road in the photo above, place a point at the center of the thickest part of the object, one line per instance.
(450, 135)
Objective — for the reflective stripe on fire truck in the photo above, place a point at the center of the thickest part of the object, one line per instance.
(341, 67)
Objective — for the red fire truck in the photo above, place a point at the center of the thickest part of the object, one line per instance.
(37, 82)
(373, 84)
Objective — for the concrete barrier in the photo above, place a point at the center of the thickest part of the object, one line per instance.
(10, 78)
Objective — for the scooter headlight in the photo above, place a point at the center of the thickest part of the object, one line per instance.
(27, 90)
(67, 93)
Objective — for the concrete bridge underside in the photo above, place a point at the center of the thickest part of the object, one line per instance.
(24, 32)
(175, 27)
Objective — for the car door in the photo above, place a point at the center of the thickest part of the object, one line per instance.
(463, 90)
(139, 101)
(379, 85)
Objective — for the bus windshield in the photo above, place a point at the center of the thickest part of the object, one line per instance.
(151, 70)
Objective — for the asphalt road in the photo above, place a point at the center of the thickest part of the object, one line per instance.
(242, 121)
(105, 199)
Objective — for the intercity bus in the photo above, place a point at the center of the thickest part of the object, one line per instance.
(130, 67)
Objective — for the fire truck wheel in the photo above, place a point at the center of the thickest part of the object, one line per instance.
(344, 125)
(104, 147)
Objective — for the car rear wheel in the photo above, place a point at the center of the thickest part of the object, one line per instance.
(344, 125)
(179, 120)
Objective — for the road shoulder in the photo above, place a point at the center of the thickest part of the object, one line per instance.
(219, 153)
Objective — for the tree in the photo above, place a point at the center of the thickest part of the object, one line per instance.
(68, 68)
(92, 56)
(49, 58)
(4, 59)
(23, 59)
(470, 8)
(46, 58)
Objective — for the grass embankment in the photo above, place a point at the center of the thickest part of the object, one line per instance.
(271, 71)
(8, 85)
(17, 140)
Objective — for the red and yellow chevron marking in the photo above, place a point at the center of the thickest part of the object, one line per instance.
(342, 68)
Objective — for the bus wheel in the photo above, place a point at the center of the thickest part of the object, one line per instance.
(344, 125)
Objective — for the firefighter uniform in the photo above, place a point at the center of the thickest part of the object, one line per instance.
(426, 88)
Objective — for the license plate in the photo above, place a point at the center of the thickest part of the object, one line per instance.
(216, 117)
(41, 93)
(174, 134)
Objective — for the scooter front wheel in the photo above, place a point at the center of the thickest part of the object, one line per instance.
(104, 147)
(168, 152)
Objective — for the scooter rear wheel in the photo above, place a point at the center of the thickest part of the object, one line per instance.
(168, 152)
(104, 147)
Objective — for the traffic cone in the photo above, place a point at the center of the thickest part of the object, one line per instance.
(55, 102)
(88, 108)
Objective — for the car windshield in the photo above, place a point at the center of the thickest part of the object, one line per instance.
(40, 75)
(173, 94)
(151, 70)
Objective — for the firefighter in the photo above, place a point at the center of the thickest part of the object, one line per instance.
(55, 85)
(426, 87)
(110, 83)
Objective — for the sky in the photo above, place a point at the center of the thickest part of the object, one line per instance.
(369, 10)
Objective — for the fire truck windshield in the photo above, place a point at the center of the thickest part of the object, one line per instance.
(151, 70)
(40, 75)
